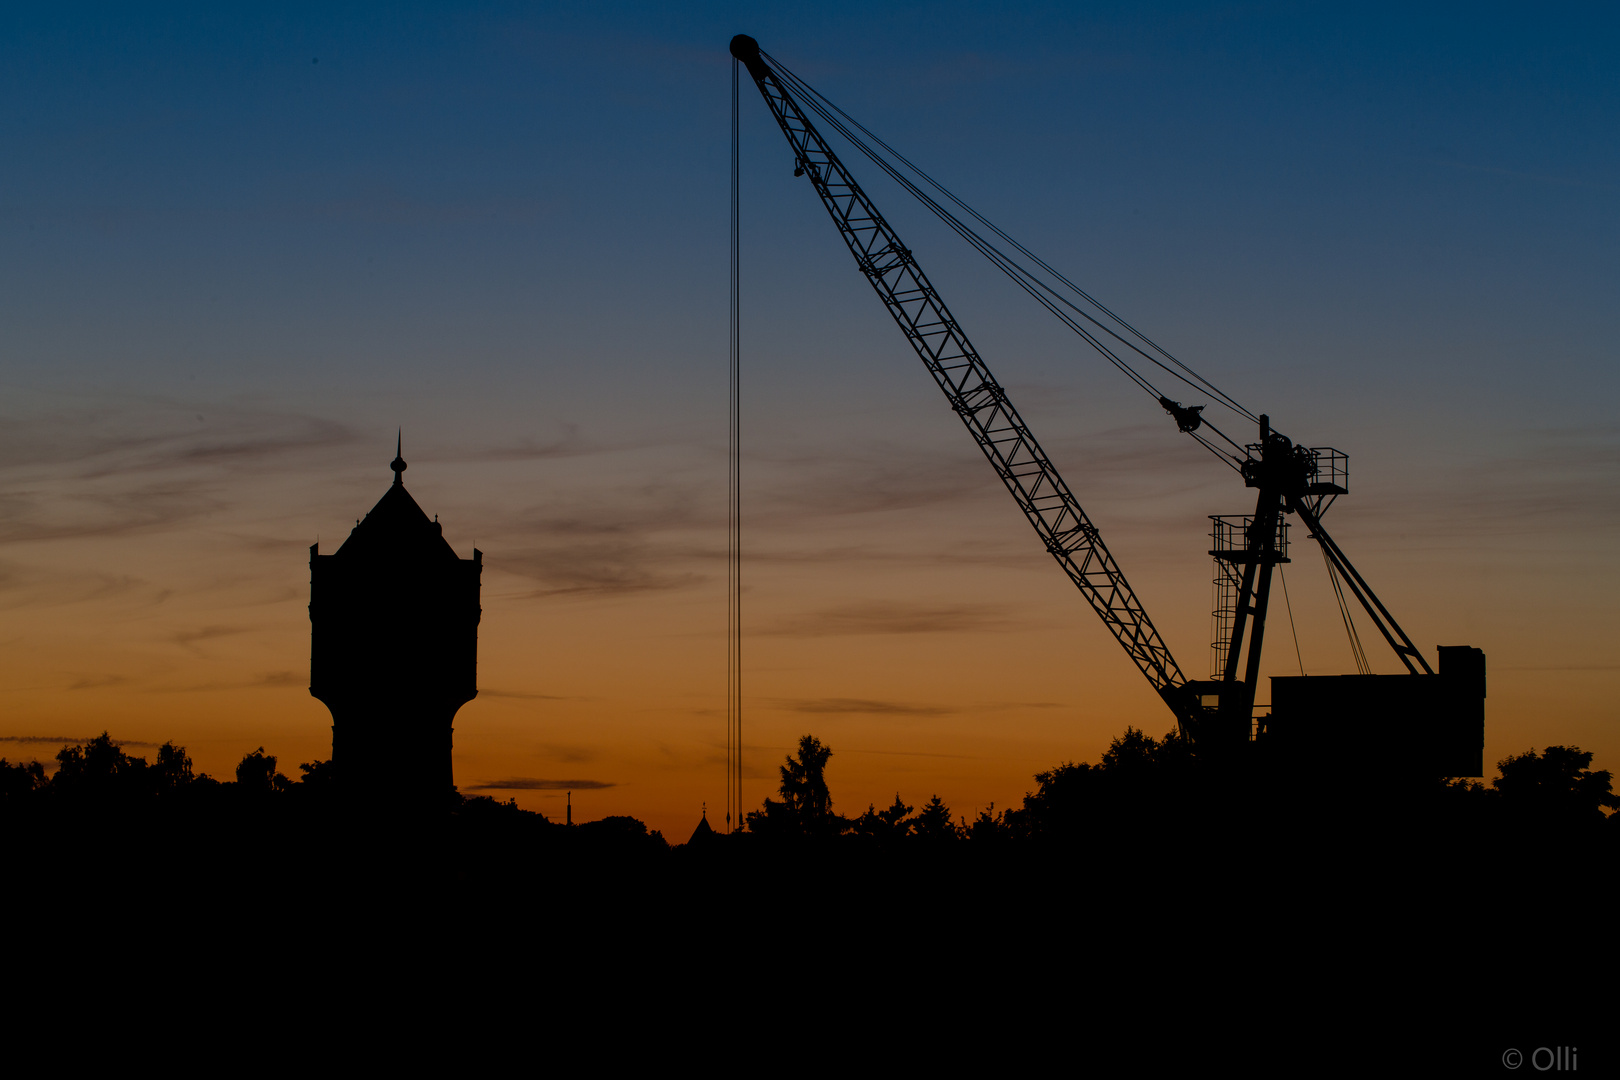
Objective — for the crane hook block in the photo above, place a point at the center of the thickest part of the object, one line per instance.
(1187, 419)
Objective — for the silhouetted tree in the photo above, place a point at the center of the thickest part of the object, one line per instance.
(1556, 785)
(1175, 752)
(257, 773)
(1134, 753)
(1064, 800)
(806, 805)
(774, 819)
(804, 781)
(318, 776)
(989, 827)
(885, 826)
(20, 781)
(100, 770)
(934, 823)
(619, 832)
(172, 772)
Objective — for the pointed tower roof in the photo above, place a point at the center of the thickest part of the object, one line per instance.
(397, 528)
(704, 830)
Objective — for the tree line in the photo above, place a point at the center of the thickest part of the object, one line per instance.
(1143, 781)
(1140, 783)
(99, 772)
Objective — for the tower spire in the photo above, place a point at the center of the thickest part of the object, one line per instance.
(398, 464)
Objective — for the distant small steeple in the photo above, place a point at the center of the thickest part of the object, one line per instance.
(704, 833)
(398, 464)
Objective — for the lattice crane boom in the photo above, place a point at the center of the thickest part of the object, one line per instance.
(973, 392)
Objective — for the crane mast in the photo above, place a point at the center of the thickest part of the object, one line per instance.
(974, 394)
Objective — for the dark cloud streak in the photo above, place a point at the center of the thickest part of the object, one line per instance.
(862, 706)
(529, 783)
(483, 692)
(67, 740)
(892, 617)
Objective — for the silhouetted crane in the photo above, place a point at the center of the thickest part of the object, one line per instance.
(1444, 712)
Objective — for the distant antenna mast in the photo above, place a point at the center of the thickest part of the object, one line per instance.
(734, 809)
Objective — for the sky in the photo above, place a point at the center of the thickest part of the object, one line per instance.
(241, 246)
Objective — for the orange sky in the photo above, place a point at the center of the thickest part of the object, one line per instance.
(895, 607)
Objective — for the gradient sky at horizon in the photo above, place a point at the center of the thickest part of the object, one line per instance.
(243, 246)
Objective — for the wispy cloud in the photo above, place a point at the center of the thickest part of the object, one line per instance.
(530, 783)
(98, 682)
(282, 678)
(862, 706)
(913, 753)
(70, 740)
(1570, 476)
(632, 539)
(268, 544)
(869, 479)
(659, 533)
(23, 586)
(187, 639)
(604, 569)
(1135, 465)
(569, 444)
(569, 755)
(970, 553)
(485, 692)
(70, 511)
(892, 617)
(273, 680)
(89, 467)
(100, 437)
(300, 433)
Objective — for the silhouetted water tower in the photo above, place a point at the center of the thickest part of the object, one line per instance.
(394, 651)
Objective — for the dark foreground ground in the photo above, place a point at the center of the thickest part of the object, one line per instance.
(1127, 920)
(1179, 941)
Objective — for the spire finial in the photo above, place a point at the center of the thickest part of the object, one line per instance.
(398, 464)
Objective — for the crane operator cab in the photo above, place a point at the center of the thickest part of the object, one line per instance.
(1437, 722)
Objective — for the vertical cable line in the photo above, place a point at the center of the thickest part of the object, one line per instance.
(1356, 651)
(733, 500)
(1297, 654)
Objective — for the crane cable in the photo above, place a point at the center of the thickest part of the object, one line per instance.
(734, 810)
(1289, 601)
(1357, 653)
(1196, 381)
(1054, 300)
(1042, 291)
